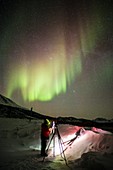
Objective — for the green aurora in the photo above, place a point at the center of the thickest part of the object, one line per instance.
(50, 72)
(57, 56)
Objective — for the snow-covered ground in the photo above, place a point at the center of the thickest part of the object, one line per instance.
(20, 147)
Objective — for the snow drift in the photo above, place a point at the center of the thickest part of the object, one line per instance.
(20, 145)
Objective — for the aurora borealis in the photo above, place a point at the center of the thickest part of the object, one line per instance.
(45, 78)
(57, 57)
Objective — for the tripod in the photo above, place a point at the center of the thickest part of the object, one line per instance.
(56, 132)
(70, 142)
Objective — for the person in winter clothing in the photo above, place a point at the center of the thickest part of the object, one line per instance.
(45, 133)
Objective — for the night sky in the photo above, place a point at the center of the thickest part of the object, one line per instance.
(57, 56)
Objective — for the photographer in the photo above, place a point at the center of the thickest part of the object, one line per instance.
(45, 133)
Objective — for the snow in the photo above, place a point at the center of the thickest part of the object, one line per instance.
(20, 147)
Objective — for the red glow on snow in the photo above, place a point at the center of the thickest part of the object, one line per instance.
(66, 141)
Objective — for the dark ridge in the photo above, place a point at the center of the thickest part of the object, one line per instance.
(10, 111)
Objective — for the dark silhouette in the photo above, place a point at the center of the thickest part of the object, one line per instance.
(45, 133)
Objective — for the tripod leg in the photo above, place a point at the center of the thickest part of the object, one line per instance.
(61, 147)
(54, 146)
(49, 143)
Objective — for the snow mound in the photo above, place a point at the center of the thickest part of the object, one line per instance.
(20, 147)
